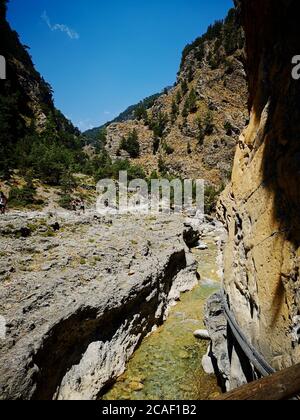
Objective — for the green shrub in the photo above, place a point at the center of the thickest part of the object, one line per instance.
(158, 124)
(111, 171)
(185, 110)
(168, 149)
(131, 144)
(190, 105)
(140, 112)
(209, 123)
(25, 196)
(156, 144)
(65, 201)
(178, 98)
(228, 128)
(192, 101)
(174, 111)
(200, 132)
(184, 87)
(162, 167)
(211, 197)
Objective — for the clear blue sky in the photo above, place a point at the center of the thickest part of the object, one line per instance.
(102, 55)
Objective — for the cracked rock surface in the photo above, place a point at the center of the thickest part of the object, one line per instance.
(79, 293)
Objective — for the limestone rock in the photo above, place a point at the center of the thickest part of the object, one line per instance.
(261, 207)
(202, 334)
(73, 314)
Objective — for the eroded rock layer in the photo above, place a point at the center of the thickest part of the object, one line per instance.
(261, 206)
(79, 293)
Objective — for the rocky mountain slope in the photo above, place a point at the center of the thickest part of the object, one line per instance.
(192, 129)
(261, 206)
(92, 135)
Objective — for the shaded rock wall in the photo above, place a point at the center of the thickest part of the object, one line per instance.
(260, 208)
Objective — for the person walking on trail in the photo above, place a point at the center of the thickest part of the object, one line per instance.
(81, 206)
(74, 204)
(3, 203)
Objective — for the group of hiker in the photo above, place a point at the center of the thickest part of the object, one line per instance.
(78, 205)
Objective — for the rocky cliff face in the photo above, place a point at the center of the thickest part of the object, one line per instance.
(261, 206)
(192, 129)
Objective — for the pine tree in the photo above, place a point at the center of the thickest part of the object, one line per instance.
(186, 109)
(209, 123)
(201, 133)
(178, 97)
(184, 87)
(131, 145)
(192, 101)
(159, 124)
(190, 75)
(174, 111)
(141, 112)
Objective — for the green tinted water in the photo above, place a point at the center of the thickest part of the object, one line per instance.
(167, 366)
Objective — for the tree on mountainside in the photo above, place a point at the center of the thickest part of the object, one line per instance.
(190, 105)
(185, 110)
(201, 131)
(140, 113)
(209, 123)
(192, 101)
(178, 97)
(190, 75)
(184, 87)
(174, 111)
(226, 32)
(131, 144)
(158, 124)
(233, 37)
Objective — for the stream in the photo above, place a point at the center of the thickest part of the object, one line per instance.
(167, 365)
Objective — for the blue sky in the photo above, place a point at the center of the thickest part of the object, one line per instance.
(101, 56)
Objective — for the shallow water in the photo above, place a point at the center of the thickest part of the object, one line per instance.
(167, 366)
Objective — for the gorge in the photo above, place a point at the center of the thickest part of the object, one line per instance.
(87, 298)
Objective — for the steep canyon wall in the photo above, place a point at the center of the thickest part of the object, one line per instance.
(261, 206)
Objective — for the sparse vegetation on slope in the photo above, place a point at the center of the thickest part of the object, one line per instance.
(192, 129)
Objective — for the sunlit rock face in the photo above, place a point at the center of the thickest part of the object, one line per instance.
(261, 205)
(217, 80)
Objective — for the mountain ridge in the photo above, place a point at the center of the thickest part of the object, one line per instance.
(192, 129)
(127, 115)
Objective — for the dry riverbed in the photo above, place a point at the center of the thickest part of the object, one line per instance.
(80, 293)
(167, 366)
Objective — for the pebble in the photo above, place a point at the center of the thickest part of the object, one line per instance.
(202, 246)
(202, 334)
